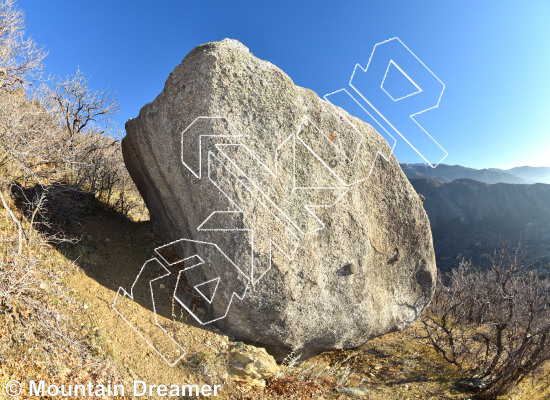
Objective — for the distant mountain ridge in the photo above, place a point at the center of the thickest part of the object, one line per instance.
(468, 218)
(447, 173)
(535, 174)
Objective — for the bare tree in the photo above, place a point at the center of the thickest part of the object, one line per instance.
(20, 57)
(494, 324)
(81, 108)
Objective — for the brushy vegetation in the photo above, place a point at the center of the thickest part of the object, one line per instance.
(55, 133)
(494, 324)
(47, 171)
(38, 340)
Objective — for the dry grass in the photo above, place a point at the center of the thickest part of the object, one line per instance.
(38, 338)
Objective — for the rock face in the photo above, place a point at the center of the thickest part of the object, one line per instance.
(293, 230)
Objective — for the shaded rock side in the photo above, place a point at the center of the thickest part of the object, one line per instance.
(320, 243)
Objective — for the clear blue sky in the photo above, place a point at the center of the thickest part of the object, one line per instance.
(493, 56)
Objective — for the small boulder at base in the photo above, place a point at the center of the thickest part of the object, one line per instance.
(296, 226)
(251, 364)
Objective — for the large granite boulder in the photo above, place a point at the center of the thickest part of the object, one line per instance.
(294, 232)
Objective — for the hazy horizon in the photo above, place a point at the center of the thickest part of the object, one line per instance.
(468, 166)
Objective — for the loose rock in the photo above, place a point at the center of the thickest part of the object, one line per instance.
(251, 364)
(356, 393)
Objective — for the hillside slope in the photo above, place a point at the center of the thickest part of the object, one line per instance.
(469, 218)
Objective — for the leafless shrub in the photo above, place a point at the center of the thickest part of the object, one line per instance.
(94, 157)
(53, 138)
(82, 109)
(52, 167)
(33, 154)
(100, 170)
(38, 162)
(20, 57)
(494, 324)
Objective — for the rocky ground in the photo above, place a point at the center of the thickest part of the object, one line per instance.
(111, 253)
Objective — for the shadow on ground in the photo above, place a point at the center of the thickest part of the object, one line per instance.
(105, 244)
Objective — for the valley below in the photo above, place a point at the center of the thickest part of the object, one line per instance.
(470, 219)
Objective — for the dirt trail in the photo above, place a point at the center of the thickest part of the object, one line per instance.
(111, 255)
